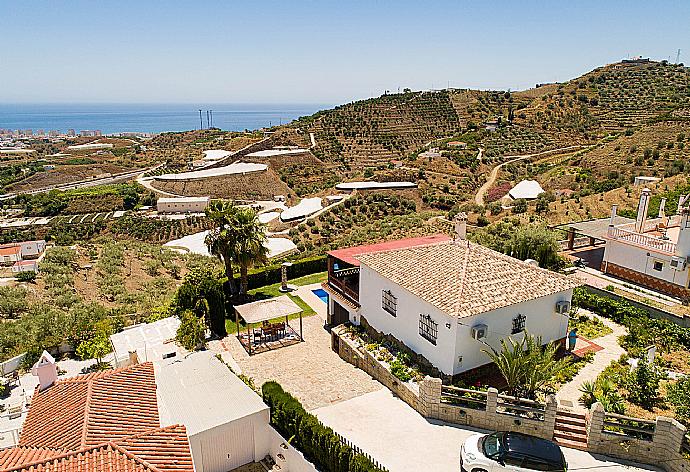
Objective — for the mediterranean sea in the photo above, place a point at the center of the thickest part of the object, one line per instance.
(148, 118)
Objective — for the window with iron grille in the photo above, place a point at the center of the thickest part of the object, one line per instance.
(389, 302)
(518, 324)
(428, 328)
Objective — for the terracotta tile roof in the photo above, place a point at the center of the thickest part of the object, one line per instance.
(10, 250)
(166, 448)
(159, 450)
(463, 279)
(349, 254)
(92, 409)
(26, 455)
(104, 458)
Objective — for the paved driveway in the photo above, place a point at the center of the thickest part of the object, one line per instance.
(310, 370)
(403, 441)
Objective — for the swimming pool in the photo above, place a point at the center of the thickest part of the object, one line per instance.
(322, 294)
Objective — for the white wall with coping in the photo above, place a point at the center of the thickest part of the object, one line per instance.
(454, 336)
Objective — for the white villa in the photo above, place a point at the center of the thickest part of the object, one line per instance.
(651, 251)
(182, 204)
(447, 300)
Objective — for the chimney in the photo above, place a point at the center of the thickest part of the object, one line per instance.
(614, 212)
(46, 370)
(460, 221)
(642, 209)
(662, 207)
(133, 358)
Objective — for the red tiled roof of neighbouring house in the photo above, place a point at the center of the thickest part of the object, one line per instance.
(347, 255)
(166, 448)
(104, 458)
(93, 409)
(26, 455)
(159, 450)
(10, 250)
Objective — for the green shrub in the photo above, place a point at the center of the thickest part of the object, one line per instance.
(190, 333)
(271, 274)
(26, 276)
(317, 442)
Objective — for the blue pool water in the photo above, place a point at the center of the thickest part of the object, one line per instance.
(322, 294)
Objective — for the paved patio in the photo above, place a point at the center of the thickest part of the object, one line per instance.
(310, 370)
(402, 440)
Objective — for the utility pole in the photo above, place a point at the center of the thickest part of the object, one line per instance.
(211, 118)
(201, 121)
(678, 57)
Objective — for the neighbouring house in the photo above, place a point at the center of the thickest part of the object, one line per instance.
(10, 253)
(182, 204)
(447, 300)
(175, 415)
(527, 189)
(457, 144)
(98, 422)
(430, 154)
(149, 341)
(227, 422)
(25, 266)
(24, 250)
(653, 252)
(645, 180)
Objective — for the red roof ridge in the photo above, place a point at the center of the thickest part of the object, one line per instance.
(100, 374)
(87, 407)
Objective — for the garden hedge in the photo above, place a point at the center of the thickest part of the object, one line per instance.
(271, 274)
(317, 442)
(643, 329)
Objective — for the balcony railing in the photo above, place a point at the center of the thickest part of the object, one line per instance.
(643, 240)
(338, 280)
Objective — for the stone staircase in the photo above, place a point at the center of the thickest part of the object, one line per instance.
(571, 430)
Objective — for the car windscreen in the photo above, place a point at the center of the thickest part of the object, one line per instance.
(491, 445)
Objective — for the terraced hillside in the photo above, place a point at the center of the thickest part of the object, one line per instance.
(371, 132)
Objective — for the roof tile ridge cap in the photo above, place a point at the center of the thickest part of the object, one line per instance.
(463, 273)
(132, 456)
(149, 432)
(87, 407)
(65, 453)
(400, 249)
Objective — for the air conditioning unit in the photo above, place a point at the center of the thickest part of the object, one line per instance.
(563, 307)
(479, 331)
(679, 263)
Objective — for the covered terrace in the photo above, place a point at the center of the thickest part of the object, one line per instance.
(268, 324)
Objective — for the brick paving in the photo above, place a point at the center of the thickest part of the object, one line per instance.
(310, 370)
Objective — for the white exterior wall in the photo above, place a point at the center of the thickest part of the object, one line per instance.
(541, 319)
(405, 326)
(32, 248)
(31, 267)
(642, 260)
(231, 445)
(182, 206)
(456, 340)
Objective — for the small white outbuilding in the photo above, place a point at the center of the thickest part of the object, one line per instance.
(227, 422)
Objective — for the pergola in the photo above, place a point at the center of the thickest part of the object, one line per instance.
(263, 311)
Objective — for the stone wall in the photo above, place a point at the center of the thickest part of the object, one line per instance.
(363, 359)
(662, 450)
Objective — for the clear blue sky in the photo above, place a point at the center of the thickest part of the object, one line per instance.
(315, 51)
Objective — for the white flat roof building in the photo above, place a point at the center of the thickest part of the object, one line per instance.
(350, 186)
(227, 422)
(151, 341)
(182, 204)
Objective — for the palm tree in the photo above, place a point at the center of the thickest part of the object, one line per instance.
(250, 245)
(526, 366)
(238, 237)
(222, 238)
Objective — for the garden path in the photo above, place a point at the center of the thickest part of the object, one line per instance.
(569, 393)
